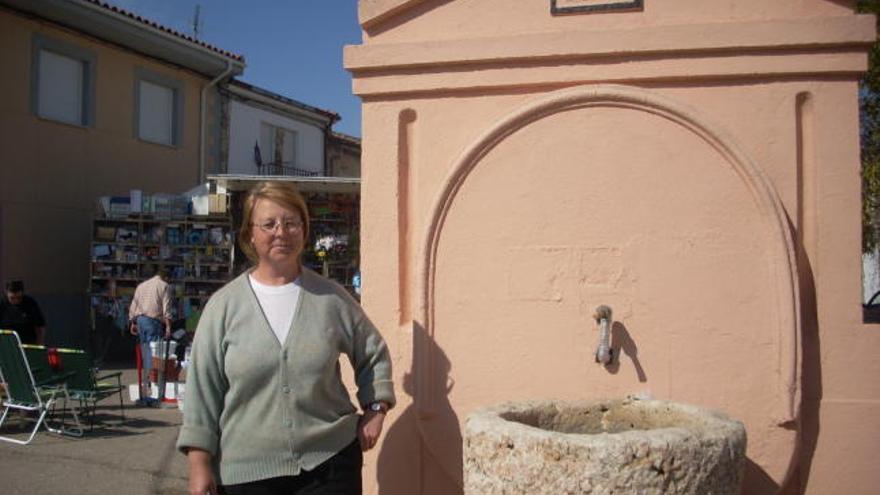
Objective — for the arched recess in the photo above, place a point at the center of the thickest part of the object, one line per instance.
(763, 194)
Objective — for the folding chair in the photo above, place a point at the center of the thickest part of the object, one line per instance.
(85, 386)
(26, 394)
(38, 360)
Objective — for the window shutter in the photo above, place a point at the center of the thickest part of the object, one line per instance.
(288, 152)
(60, 88)
(267, 142)
(156, 113)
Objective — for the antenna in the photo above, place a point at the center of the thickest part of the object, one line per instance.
(197, 22)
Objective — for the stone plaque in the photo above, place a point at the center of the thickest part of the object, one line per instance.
(585, 6)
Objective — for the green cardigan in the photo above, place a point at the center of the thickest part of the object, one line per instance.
(264, 409)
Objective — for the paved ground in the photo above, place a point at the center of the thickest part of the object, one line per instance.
(134, 457)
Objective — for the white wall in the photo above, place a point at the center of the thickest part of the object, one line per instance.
(244, 131)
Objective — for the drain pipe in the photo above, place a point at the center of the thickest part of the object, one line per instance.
(203, 102)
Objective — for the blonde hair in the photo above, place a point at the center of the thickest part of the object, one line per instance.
(283, 193)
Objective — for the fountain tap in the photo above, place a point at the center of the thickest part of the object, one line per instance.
(604, 352)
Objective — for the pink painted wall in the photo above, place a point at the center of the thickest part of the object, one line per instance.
(696, 169)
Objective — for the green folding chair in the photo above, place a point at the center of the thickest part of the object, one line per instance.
(38, 360)
(85, 385)
(28, 395)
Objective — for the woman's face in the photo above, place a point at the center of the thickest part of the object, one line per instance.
(276, 233)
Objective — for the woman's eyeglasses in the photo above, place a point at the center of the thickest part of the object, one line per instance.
(288, 226)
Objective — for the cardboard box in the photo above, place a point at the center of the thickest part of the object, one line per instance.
(105, 234)
(201, 205)
(218, 203)
(136, 200)
(120, 206)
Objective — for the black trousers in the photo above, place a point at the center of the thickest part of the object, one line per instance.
(338, 475)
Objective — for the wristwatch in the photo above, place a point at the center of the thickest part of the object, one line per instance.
(378, 407)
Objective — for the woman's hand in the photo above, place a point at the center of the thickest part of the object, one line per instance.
(369, 429)
(201, 475)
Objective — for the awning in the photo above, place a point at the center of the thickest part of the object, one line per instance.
(243, 182)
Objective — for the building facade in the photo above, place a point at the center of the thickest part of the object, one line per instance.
(96, 101)
(693, 165)
(343, 155)
(265, 133)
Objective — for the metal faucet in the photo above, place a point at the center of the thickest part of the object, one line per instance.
(604, 352)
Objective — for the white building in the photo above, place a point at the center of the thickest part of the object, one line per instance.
(263, 133)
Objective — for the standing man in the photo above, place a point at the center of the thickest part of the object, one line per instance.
(149, 313)
(21, 313)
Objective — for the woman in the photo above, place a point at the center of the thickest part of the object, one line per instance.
(266, 410)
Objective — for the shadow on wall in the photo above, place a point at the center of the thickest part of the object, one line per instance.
(811, 369)
(621, 341)
(66, 319)
(756, 480)
(422, 450)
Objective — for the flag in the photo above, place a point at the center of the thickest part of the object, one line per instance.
(258, 159)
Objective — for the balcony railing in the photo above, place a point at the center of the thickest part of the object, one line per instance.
(282, 169)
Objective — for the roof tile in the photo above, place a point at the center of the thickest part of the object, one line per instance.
(156, 25)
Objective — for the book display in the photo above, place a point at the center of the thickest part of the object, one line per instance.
(332, 248)
(196, 250)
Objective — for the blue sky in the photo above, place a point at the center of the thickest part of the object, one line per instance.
(291, 47)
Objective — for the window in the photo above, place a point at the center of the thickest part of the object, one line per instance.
(278, 145)
(62, 82)
(158, 108)
(156, 113)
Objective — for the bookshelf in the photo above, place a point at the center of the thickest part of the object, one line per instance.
(196, 250)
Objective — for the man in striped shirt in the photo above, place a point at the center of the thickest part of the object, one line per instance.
(150, 311)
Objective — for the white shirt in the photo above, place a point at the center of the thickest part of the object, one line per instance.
(279, 304)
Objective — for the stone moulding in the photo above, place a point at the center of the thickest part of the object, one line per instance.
(832, 33)
(762, 191)
(374, 12)
(619, 446)
(792, 48)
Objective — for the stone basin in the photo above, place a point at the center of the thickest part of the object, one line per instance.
(602, 447)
